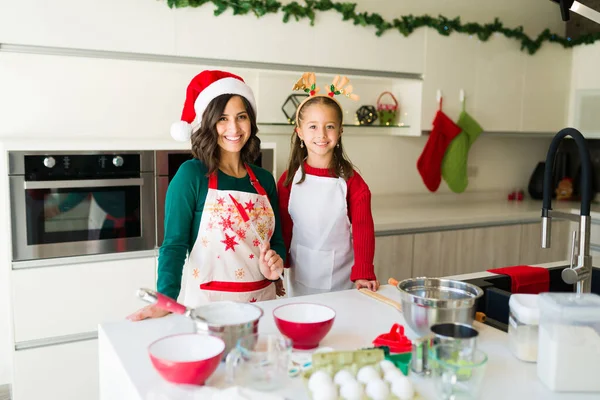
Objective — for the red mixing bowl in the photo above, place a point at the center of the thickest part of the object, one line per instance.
(188, 358)
(306, 324)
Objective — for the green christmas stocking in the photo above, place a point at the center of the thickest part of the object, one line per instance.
(454, 165)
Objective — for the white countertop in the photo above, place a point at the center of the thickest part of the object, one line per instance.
(420, 213)
(126, 371)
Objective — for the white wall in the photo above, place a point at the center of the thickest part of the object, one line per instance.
(46, 96)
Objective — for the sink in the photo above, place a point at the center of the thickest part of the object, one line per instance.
(497, 292)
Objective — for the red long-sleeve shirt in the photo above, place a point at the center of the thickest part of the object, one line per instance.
(359, 213)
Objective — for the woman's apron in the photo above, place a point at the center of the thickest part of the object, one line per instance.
(321, 253)
(223, 263)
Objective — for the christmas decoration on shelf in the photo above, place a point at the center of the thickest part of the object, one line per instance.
(366, 115)
(387, 111)
(291, 104)
(405, 24)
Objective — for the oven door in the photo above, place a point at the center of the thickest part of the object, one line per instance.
(80, 217)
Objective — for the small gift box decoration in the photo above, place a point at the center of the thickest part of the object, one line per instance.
(366, 115)
(387, 111)
(291, 104)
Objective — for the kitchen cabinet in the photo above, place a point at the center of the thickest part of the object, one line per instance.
(506, 89)
(393, 257)
(462, 251)
(61, 372)
(57, 301)
(546, 89)
(531, 243)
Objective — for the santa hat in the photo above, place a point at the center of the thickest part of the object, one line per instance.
(206, 86)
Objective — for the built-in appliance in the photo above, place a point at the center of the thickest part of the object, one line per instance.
(169, 161)
(80, 203)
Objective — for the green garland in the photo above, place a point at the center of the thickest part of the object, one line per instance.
(405, 24)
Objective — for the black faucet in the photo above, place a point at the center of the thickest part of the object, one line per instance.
(580, 274)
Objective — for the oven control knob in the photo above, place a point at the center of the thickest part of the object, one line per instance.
(49, 162)
(118, 161)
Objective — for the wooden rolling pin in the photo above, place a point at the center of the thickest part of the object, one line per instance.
(382, 298)
(479, 316)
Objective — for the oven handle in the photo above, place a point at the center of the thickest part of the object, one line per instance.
(87, 183)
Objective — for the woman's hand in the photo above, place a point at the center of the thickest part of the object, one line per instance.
(150, 311)
(279, 289)
(270, 263)
(363, 283)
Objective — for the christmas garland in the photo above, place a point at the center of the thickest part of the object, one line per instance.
(405, 25)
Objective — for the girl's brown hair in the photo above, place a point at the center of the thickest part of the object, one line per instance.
(340, 165)
(205, 140)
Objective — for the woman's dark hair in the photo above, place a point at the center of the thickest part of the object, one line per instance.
(340, 166)
(205, 140)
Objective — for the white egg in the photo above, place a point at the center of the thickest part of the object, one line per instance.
(351, 390)
(393, 374)
(342, 377)
(386, 365)
(367, 374)
(318, 379)
(377, 390)
(327, 391)
(403, 389)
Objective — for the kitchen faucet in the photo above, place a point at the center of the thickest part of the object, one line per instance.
(580, 274)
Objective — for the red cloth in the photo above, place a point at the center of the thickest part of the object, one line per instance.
(526, 279)
(429, 163)
(358, 199)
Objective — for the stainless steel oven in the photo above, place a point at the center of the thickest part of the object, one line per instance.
(80, 203)
(167, 164)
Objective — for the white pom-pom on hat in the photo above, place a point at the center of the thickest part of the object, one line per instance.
(181, 131)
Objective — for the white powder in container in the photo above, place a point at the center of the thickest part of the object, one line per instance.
(569, 358)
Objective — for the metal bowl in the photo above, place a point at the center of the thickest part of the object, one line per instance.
(430, 301)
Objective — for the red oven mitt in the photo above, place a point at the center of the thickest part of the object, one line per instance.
(526, 279)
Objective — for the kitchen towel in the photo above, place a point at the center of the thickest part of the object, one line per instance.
(429, 163)
(454, 165)
(526, 279)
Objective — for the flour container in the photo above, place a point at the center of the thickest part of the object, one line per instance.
(569, 342)
(523, 324)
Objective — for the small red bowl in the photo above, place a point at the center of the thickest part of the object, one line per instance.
(188, 358)
(306, 324)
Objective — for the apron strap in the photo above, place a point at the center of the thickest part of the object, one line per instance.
(212, 181)
(259, 189)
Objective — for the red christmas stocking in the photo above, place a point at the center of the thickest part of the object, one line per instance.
(429, 163)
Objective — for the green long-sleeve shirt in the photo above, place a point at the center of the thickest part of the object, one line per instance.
(184, 204)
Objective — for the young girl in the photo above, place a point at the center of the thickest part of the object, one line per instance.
(225, 260)
(325, 204)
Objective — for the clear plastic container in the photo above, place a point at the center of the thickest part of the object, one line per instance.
(569, 342)
(523, 324)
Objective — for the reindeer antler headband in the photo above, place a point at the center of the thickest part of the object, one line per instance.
(338, 87)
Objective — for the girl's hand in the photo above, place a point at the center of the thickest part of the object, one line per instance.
(270, 263)
(363, 283)
(150, 311)
(279, 289)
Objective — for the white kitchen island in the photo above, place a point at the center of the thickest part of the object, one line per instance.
(126, 371)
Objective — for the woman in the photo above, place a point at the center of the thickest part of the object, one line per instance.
(226, 260)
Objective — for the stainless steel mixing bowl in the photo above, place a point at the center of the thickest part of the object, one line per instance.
(429, 301)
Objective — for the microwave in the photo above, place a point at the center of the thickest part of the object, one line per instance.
(169, 161)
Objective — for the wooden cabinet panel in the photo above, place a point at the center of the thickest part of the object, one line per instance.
(485, 248)
(531, 243)
(435, 254)
(393, 257)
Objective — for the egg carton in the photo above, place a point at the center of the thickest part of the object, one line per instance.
(351, 361)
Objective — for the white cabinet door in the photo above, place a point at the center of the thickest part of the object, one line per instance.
(448, 76)
(546, 90)
(61, 372)
(58, 301)
(499, 85)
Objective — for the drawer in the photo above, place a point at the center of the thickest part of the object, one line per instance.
(56, 301)
(62, 372)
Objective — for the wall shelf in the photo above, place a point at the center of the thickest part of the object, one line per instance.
(282, 128)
